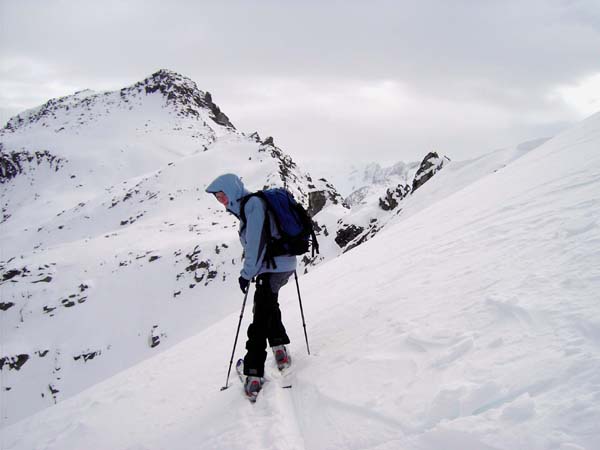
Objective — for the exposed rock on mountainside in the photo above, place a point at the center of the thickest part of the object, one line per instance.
(430, 165)
(314, 195)
(182, 93)
(319, 198)
(393, 196)
(347, 234)
(14, 362)
(14, 163)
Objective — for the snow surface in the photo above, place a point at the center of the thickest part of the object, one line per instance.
(472, 323)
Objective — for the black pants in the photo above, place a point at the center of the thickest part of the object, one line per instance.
(266, 323)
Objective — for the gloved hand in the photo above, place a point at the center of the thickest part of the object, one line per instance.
(244, 284)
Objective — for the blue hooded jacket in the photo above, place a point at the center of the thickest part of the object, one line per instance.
(252, 235)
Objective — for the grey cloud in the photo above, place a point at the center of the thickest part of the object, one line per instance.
(425, 42)
(484, 68)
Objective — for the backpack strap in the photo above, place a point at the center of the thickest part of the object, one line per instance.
(243, 202)
(269, 259)
(315, 243)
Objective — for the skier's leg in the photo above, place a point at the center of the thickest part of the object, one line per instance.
(256, 345)
(276, 333)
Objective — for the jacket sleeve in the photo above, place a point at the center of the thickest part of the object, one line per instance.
(255, 245)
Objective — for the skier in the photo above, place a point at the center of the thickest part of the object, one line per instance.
(270, 274)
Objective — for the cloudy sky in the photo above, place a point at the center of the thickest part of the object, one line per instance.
(368, 80)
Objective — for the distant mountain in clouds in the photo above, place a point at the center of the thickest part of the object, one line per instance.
(382, 197)
(363, 181)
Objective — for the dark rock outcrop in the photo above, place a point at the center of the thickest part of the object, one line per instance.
(15, 163)
(393, 196)
(287, 166)
(347, 233)
(431, 164)
(155, 336)
(86, 356)
(10, 274)
(14, 362)
(201, 270)
(316, 201)
(373, 228)
(217, 115)
(183, 94)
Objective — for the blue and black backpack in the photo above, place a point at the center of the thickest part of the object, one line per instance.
(292, 221)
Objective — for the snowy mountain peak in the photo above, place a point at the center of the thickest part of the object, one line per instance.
(183, 93)
(375, 174)
(180, 95)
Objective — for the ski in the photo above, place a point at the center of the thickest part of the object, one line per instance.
(239, 368)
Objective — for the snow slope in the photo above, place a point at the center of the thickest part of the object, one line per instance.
(472, 324)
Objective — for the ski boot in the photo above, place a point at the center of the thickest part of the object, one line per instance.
(282, 357)
(252, 387)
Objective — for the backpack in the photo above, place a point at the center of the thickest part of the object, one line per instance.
(292, 221)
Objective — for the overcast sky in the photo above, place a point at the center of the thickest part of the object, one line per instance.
(368, 80)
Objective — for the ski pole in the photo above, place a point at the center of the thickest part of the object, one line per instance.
(236, 339)
(301, 312)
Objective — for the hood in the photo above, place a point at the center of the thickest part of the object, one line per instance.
(233, 188)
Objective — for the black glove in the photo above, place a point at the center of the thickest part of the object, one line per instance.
(244, 284)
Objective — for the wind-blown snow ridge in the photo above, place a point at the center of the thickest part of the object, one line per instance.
(468, 324)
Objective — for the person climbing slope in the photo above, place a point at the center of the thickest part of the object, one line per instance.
(257, 227)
